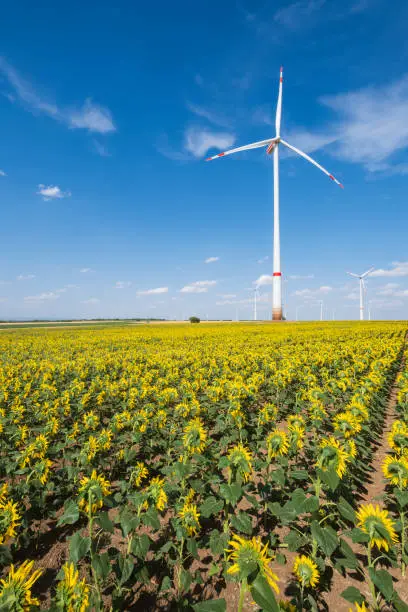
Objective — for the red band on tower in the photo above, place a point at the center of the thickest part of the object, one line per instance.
(277, 274)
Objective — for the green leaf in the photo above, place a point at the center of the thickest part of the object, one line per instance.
(329, 478)
(311, 504)
(358, 536)
(281, 559)
(383, 581)
(352, 595)
(126, 566)
(231, 493)
(350, 557)
(211, 605)
(71, 514)
(299, 475)
(263, 595)
(294, 541)
(128, 522)
(166, 584)
(192, 547)
(101, 565)
(399, 605)
(211, 506)
(325, 537)
(181, 470)
(185, 580)
(218, 542)
(242, 522)
(104, 521)
(140, 546)
(78, 547)
(346, 510)
(214, 569)
(278, 476)
(401, 497)
(5, 556)
(151, 518)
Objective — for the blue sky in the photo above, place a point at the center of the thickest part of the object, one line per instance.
(107, 111)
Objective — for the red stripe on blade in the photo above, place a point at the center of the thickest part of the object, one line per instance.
(220, 154)
(277, 274)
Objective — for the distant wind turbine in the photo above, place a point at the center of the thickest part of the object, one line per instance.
(272, 145)
(256, 296)
(361, 278)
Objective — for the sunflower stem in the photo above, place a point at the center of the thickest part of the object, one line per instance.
(91, 551)
(242, 592)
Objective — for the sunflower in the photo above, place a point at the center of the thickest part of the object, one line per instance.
(286, 606)
(155, 493)
(277, 443)
(240, 461)
(267, 413)
(72, 594)
(306, 571)
(139, 473)
(350, 447)
(92, 491)
(377, 524)
(105, 439)
(41, 470)
(359, 608)
(346, 424)
(296, 435)
(15, 589)
(90, 420)
(332, 456)
(296, 420)
(195, 436)
(395, 469)
(190, 518)
(398, 438)
(9, 519)
(248, 554)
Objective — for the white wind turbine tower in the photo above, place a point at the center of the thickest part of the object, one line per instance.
(361, 278)
(256, 296)
(272, 145)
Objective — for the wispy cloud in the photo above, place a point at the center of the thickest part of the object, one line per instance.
(294, 16)
(198, 286)
(85, 270)
(300, 277)
(155, 291)
(52, 192)
(211, 260)
(90, 116)
(400, 268)
(211, 116)
(122, 284)
(91, 300)
(42, 297)
(264, 279)
(200, 140)
(227, 296)
(23, 277)
(101, 149)
(263, 259)
(313, 293)
(2, 173)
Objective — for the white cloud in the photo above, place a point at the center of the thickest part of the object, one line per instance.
(52, 192)
(294, 15)
(100, 148)
(2, 173)
(211, 116)
(198, 141)
(156, 291)
(354, 295)
(198, 286)
(91, 301)
(264, 279)
(42, 297)
(22, 277)
(400, 268)
(300, 277)
(263, 259)
(211, 259)
(91, 117)
(313, 293)
(227, 296)
(122, 284)
(86, 270)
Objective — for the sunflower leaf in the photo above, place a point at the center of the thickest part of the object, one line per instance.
(242, 522)
(211, 506)
(352, 595)
(263, 595)
(325, 537)
(383, 581)
(211, 605)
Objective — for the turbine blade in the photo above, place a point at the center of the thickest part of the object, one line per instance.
(279, 104)
(368, 272)
(352, 274)
(312, 161)
(253, 145)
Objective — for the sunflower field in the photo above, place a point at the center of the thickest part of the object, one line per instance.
(210, 468)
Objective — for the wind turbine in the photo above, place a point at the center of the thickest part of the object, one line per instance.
(361, 278)
(272, 145)
(256, 296)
